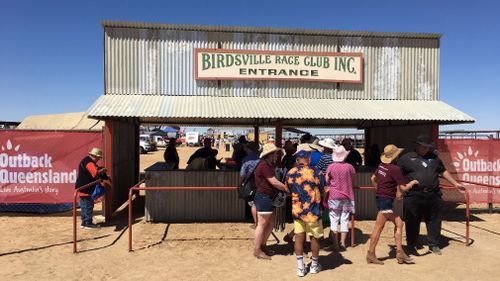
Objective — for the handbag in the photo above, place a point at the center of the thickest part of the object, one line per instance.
(279, 199)
(99, 191)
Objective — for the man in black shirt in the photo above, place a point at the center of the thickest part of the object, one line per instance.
(353, 158)
(207, 153)
(423, 201)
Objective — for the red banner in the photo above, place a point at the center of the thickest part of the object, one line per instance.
(42, 166)
(474, 161)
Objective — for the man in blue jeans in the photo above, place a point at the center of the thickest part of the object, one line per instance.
(88, 171)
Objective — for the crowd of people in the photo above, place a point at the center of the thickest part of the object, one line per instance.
(320, 178)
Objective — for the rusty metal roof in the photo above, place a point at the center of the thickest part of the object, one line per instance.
(267, 30)
(252, 110)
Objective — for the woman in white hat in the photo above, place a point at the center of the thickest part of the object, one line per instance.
(266, 184)
(389, 181)
(340, 179)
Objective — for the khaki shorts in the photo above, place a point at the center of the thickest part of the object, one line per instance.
(314, 229)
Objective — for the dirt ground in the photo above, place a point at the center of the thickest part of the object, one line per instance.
(38, 247)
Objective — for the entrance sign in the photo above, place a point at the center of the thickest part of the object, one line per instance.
(224, 64)
(475, 161)
(42, 166)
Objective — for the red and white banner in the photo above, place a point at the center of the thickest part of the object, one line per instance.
(474, 161)
(42, 166)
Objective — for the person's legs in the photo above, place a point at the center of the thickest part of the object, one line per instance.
(269, 228)
(86, 207)
(262, 222)
(401, 256)
(299, 253)
(344, 228)
(412, 217)
(433, 219)
(334, 222)
(377, 230)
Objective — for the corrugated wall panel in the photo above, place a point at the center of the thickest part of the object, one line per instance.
(161, 62)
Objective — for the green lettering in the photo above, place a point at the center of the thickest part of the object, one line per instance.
(205, 61)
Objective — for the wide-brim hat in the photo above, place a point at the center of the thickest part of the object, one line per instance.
(424, 140)
(315, 145)
(339, 153)
(96, 152)
(390, 153)
(303, 147)
(268, 149)
(328, 142)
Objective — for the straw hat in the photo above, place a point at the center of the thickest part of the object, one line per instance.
(268, 149)
(96, 152)
(315, 145)
(390, 153)
(339, 153)
(305, 147)
(328, 142)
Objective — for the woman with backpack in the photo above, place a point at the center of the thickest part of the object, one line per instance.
(267, 185)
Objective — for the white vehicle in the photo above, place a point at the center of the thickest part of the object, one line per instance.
(144, 146)
(149, 139)
(192, 139)
(160, 141)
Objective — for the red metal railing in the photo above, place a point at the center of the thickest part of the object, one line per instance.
(353, 219)
(136, 187)
(75, 194)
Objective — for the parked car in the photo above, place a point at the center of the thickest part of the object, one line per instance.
(144, 146)
(149, 138)
(160, 141)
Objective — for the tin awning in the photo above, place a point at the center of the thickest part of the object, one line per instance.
(209, 110)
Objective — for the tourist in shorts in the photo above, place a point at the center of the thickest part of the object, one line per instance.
(389, 181)
(305, 185)
(267, 184)
(340, 178)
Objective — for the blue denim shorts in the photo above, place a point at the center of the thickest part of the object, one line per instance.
(384, 205)
(263, 203)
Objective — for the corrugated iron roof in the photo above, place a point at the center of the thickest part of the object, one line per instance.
(237, 110)
(267, 30)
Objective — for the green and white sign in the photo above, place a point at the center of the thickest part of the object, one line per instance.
(220, 64)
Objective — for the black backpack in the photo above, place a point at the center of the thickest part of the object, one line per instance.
(247, 188)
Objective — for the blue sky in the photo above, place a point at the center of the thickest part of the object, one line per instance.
(51, 52)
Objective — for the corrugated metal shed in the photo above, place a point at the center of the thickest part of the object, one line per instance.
(74, 121)
(152, 59)
(293, 111)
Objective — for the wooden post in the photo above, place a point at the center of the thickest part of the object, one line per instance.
(256, 133)
(279, 134)
(108, 163)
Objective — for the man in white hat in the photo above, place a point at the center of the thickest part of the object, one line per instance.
(89, 171)
(328, 145)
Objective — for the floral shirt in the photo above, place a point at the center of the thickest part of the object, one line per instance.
(305, 185)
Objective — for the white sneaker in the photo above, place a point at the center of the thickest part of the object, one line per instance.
(315, 269)
(301, 272)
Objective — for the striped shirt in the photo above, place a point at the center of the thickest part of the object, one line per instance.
(324, 162)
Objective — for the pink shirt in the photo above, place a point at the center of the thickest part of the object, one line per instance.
(341, 175)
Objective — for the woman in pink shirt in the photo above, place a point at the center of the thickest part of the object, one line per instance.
(340, 176)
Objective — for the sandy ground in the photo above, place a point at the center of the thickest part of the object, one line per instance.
(34, 247)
